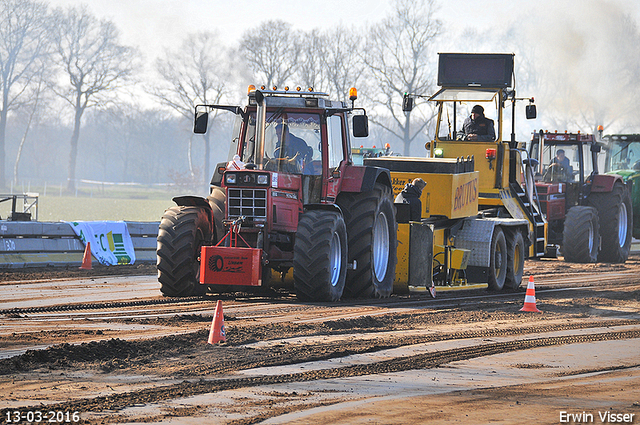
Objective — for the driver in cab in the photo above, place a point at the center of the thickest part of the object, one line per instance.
(477, 127)
(561, 166)
(289, 145)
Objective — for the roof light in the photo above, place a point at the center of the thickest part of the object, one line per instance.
(298, 88)
(251, 89)
(600, 128)
(310, 89)
(387, 146)
(286, 88)
(353, 93)
(262, 87)
(275, 88)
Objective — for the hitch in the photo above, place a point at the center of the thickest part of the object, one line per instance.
(231, 264)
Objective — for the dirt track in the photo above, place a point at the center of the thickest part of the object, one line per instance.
(474, 359)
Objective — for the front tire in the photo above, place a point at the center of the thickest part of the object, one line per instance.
(182, 233)
(581, 235)
(320, 256)
(616, 223)
(371, 230)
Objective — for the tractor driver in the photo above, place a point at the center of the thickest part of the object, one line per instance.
(560, 168)
(288, 145)
(477, 127)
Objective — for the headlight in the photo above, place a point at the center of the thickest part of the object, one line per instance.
(230, 178)
(263, 178)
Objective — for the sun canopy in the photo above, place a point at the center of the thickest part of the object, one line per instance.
(464, 95)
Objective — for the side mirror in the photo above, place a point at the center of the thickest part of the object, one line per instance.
(200, 123)
(407, 103)
(531, 112)
(360, 126)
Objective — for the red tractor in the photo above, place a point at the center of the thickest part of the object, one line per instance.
(291, 208)
(589, 214)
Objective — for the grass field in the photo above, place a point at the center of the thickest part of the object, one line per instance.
(133, 204)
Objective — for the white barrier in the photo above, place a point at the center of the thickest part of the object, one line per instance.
(41, 244)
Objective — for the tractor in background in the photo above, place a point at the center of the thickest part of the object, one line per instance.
(623, 158)
(589, 214)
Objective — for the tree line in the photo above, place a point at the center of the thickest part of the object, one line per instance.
(66, 69)
(69, 87)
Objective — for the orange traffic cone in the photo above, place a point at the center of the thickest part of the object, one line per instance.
(217, 326)
(530, 298)
(86, 260)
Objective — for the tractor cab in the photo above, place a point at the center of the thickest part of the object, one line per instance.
(566, 164)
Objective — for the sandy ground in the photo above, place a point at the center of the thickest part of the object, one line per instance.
(299, 360)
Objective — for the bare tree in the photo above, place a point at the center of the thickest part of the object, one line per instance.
(95, 63)
(400, 56)
(343, 65)
(198, 73)
(23, 42)
(36, 95)
(272, 52)
(310, 70)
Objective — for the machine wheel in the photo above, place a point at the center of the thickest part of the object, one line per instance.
(217, 199)
(515, 259)
(183, 231)
(581, 235)
(497, 272)
(616, 223)
(320, 256)
(371, 229)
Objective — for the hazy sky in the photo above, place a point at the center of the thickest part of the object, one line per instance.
(576, 40)
(154, 24)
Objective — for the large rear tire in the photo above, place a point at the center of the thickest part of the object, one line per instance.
(616, 223)
(515, 259)
(371, 230)
(183, 231)
(581, 235)
(497, 273)
(320, 256)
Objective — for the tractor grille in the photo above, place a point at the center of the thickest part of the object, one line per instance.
(251, 203)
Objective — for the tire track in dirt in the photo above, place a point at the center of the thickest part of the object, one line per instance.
(420, 361)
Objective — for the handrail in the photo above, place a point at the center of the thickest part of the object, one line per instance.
(29, 200)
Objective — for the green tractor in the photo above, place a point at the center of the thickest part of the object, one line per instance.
(623, 158)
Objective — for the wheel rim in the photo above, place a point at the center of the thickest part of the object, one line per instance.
(622, 225)
(380, 246)
(498, 260)
(335, 260)
(516, 260)
(590, 237)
